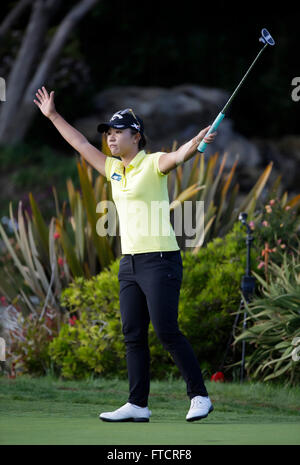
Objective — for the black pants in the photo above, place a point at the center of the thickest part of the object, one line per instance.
(149, 290)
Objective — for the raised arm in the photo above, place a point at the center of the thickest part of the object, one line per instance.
(169, 161)
(77, 140)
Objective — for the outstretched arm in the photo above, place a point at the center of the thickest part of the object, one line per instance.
(169, 161)
(77, 140)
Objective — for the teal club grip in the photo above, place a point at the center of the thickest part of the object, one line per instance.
(202, 145)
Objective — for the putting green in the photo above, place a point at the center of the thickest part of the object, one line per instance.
(82, 431)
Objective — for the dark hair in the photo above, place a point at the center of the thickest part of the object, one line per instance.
(142, 141)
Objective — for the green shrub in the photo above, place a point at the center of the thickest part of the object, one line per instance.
(274, 324)
(83, 349)
(93, 343)
(210, 295)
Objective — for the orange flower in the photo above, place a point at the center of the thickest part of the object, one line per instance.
(265, 252)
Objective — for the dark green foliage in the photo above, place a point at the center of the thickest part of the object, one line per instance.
(274, 325)
(209, 294)
(93, 343)
(35, 168)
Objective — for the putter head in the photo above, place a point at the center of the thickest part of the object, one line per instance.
(266, 37)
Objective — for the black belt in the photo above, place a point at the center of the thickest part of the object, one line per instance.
(147, 253)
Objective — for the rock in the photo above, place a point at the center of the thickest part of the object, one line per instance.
(285, 154)
(289, 146)
(169, 115)
(179, 113)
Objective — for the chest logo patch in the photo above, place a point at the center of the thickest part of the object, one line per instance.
(116, 177)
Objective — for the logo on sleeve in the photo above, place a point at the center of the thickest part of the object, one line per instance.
(116, 177)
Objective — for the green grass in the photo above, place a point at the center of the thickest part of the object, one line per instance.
(52, 411)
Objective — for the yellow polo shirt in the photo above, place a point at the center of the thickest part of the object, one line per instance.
(142, 202)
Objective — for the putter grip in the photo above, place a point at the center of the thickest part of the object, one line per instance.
(202, 145)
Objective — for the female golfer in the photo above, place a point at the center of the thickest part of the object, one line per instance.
(150, 272)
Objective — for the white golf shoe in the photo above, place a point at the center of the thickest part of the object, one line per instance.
(200, 408)
(128, 412)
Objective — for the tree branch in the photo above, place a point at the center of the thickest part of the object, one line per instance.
(58, 41)
(21, 111)
(12, 16)
(20, 72)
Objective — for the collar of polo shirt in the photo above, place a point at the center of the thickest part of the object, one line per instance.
(136, 160)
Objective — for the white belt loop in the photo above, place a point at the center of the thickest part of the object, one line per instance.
(160, 254)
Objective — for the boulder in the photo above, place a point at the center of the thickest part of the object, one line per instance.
(175, 114)
(285, 155)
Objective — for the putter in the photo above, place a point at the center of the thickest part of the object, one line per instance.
(266, 39)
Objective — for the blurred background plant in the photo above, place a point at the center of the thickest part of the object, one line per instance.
(42, 260)
(276, 228)
(93, 342)
(210, 297)
(273, 322)
(52, 243)
(219, 193)
(70, 245)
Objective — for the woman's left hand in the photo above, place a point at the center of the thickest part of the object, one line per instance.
(209, 138)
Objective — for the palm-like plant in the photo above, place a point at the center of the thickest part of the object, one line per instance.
(274, 323)
(221, 209)
(49, 257)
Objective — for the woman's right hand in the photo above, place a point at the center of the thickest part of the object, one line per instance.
(45, 102)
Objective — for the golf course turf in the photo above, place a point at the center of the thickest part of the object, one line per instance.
(51, 411)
